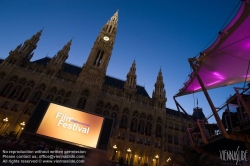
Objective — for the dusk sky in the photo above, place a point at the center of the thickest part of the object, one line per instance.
(155, 33)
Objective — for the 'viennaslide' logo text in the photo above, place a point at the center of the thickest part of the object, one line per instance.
(71, 124)
(233, 155)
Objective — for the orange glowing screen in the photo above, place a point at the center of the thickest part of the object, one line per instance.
(71, 125)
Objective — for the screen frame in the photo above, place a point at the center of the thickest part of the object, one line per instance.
(38, 123)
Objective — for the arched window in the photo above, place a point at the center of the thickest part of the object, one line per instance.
(14, 79)
(50, 97)
(25, 93)
(136, 114)
(66, 98)
(148, 128)
(106, 113)
(51, 94)
(98, 111)
(22, 81)
(142, 116)
(141, 126)
(15, 92)
(82, 103)
(61, 92)
(114, 116)
(100, 104)
(37, 96)
(124, 121)
(7, 88)
(115, 108)
(134, 124)
(58, 99)
(126, 111)
(68, 94)
(149, 118)
(31, 84)
(65, 101)
(2, 75)
(107, 109)
(108, 106)
(83, 100)
(110, 28)
(99, 57)
(158, 131)
(53, 90)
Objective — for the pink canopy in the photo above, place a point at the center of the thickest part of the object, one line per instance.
(227, 60)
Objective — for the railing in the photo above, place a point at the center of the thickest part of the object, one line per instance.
(233, 115)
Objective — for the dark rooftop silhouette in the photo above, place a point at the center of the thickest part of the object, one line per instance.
(75, 70)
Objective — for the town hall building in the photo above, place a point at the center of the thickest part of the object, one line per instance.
(145, 131)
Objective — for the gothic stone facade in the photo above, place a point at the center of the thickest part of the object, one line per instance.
(142, 124)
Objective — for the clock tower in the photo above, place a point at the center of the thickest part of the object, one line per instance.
(93, 72)
(102, 49)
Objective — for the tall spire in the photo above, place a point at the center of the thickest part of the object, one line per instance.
(59, 59)
(159, 93)
(130, 83)
(30, 45)
(111, 25)
(102, 49)
(65, 50)
(23, 52)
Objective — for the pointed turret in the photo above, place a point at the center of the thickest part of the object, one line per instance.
(130, 83)
(65, 50)
(30, 45)
(111, 26)
(18, 47)
(23, 52)
(159, 93)
(59, 59)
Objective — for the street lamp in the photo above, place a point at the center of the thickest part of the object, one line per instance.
(5, 121)
(157, 157)
(21, 128)
(129, 151)
(114, 147)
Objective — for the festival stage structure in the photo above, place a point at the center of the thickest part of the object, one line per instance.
(225, 62)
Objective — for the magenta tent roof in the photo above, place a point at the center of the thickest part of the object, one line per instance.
(227, 60)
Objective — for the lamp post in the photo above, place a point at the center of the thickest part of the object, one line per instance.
(21, 128)
(169, 159)
(114, 147)
(129, 151)
(157, 157)
(5, 121)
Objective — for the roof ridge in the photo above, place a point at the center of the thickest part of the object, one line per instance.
(72, 64)
(123, 80)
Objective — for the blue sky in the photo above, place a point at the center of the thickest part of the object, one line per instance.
(156, 33)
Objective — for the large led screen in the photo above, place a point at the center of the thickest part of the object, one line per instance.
(71, 125)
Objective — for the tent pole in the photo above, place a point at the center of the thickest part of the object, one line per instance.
(242, 101)
(184, 124)
(217, 118)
